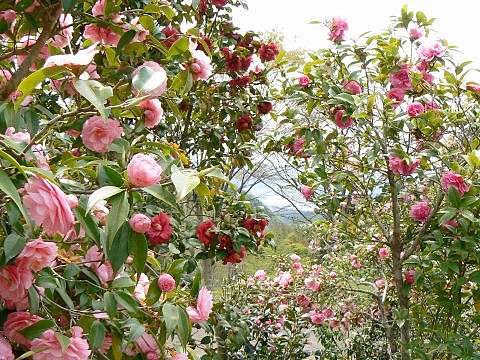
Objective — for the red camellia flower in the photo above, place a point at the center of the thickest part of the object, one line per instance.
(234, 257)
(219, 3)
(473, 87)
(236, 63)
(224, 242)
(451, 179)
(396, 95)
(342, 121)
(160, 230)
(203, 232)
(268, 52)
(171, 35)
(264, 107)
(241, 81)
(255, 226)
(244, 123)
(410, 276)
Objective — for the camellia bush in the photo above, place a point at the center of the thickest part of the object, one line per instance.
(385, 132)
(121, 125)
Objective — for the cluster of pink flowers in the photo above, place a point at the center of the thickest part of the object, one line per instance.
(48, 346)
(402, 167)
(16, 278)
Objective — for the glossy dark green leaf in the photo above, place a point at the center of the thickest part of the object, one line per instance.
(96, 335)
(37, 329)
(118, 251)
(138, 248)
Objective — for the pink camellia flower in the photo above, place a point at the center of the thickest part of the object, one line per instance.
(82, 58)
(401, 167)
(452, 179)
(153, 112)
(48, 347)
(333, 274)
(312, 284)
(295, 258)
(431, 105)
(38, 254)
(62, 38)
(304, 81)
(383, 252)
(20, 137)
(352, 87)
(179, 356)
(93, 257)
(401, 78)
(420, 211)
(5, 76)
(284, 279)
(17, 321)
(268, 52)
(140, 223)
(303, 300)
(166, 282)
(14, 282)
(141, 289)
(396, 95)
(316, 317)
(297, 267)
(141, 33)
(356, 264)
(338, 26)
(159, 78)
(148, 346)
(101, 34)
(298, 146)
(307, 192)
(8, 15)
(161, 230)
(415, 33)
(143, 171)
(105, 273)
(98, 133)
(98, 9)
(343, 121)
(202, 65)
(48, 206)
(203, 308)
(260, 275)
(450, 223)
(6, 352)
(409, 276)
(473, 87)
(380, 283)
(415, 109)
(429, 51)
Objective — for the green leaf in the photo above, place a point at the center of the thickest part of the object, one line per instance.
(6, 186)
(13, 245)
(63, 340)
(138, 247)
(66, 299)
(67, 5)
(153, 293)
(123, 282)
(454, 196)
(96, 93)
(421, 17)
(33, 80)
(214, 172)
(102, 194)
(184, 326)
(147, 80)
(37, 329)
(185, 181)
(170, 316)
(117, 216)
(33, 300)
(127, 301)
(108, 176)
(148, 23)
(126, 38)
(91, 228)
(118, 251)
(96, 335)
(197, 280)
(179, 47)
(110, 304)
(162, 194)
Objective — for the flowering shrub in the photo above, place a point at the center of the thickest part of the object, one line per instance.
(384, 134)
(118, 127)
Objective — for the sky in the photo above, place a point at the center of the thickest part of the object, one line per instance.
(457, 21)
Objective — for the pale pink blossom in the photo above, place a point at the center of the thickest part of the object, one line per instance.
(415, 33)
(6, 352)
(72, 201)
(202, 65)
(429, 51)
(8, 15)
(148, 346)
(101, 34)
(141, 289)
(383, 252)
(338, 26)
(48, 206)
(153, 112)
(380, 283)
(17, 321)
(77, 349)
(452, 179)
(333, 274)
(99, 133)
(38, 254)
(307, 192)
(98, 9)
(295, 258)
(20, 136)
(312, 284)
(203, 308)
(64, 37)
(260, 275)
(14, 282)
(140, 223)
(166, 282)
(105, 273)
(298, 267)
(143, 171)
(420, 211)
(141, 33)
